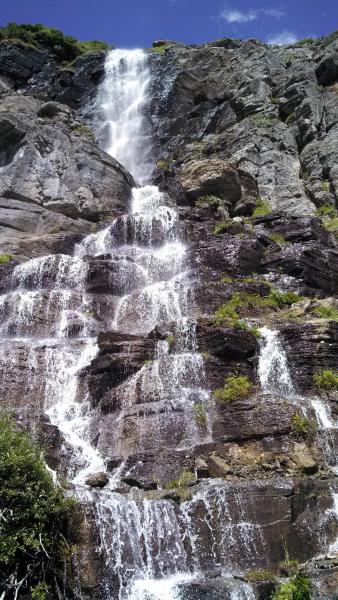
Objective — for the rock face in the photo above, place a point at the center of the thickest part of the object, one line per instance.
(139, 320)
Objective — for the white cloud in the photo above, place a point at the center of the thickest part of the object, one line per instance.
(284, 37)
(271, 12)
(237, 16)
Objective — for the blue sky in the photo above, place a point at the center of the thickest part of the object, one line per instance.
(130, 23)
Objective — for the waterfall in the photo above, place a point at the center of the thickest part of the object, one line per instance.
(119, 121)
(273, 368)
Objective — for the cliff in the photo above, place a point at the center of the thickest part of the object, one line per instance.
(211, 405)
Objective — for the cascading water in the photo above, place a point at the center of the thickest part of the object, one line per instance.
(273, 369)
(120, 126)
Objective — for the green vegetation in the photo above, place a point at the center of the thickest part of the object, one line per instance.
(326, 312)
(206, 355)
(329, 216)
(326, 186)
(228, 314)
(64, 47)
(5, 258)
(274, 100)
(289, 567)
(298, 588)
(160, 49)
(83, 130)
(227, 279)
(170, 339)
(235, 387)
(200, 414)
(290, 118)
(261, 120)
(184, 479)
(33, 515)
(262, 208)
(221, 227)
(305, 41)
(243, 326)
(278, 238)
(290, 57)
(256, 575)
(302, 427)
(326, 211)
(211, 200)
(162, 164)
(326, 380)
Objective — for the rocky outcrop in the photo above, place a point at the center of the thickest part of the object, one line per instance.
(51, 160)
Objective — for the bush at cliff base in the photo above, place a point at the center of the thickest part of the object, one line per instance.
(33, 514)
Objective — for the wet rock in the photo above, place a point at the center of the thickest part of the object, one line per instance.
(120, 356)
(304, 460)
(217, 466)
(310, 347)
(202, 469)
(97, 480)
(253, 418)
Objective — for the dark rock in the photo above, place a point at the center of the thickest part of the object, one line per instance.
(327, 70)
(97, 480)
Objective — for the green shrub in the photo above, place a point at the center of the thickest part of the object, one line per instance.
(290, 118)
(211, 200)
(83, 130)
(200, 414)
(227, 279)
(326, 211)
(221, 227)
(305, 41)
(326, 380)
(326, 312)
(184, 479)
(235, 388)
(326, 186)
(170, 339)
(162, 164)
(278, 238)
(302, 427)
(329, 216)
(298, 588)
(280, 299)
(5, 258)
(228, 314)
(40, 591)
(160, 49)
(206, 355)
(256, 575)
(263, 121)
(64, 47)
(262, 208)
(243, 326)
(33, 514)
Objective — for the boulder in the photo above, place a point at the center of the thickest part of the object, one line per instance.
(97, 480)
(217, 466)
(211, 177)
